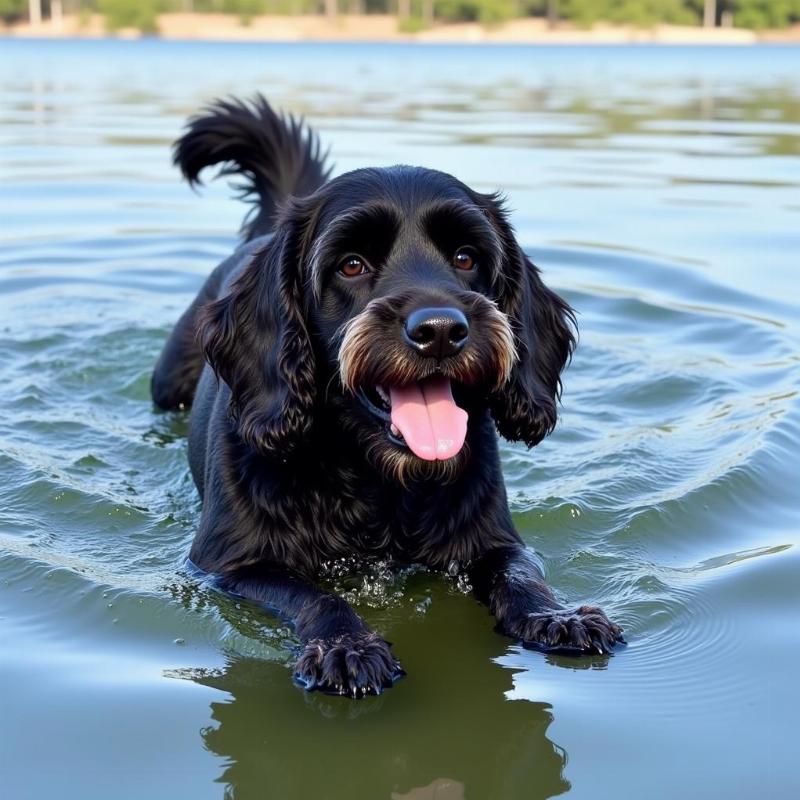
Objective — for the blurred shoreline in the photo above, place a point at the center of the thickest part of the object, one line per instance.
(384, 28)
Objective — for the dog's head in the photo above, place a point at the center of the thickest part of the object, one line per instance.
(398, 300)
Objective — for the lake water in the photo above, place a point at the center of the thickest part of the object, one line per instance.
(658, 189)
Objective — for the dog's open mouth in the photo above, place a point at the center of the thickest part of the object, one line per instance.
(422, 416)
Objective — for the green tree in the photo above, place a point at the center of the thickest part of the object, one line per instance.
(765, 13)
(485, 11)
(139, 14)
(13, 9)
(636, 12)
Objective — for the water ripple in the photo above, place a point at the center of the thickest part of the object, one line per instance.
(656, 188)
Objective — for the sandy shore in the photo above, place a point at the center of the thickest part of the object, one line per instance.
(384, 28)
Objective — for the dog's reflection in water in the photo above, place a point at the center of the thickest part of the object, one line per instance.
(448, 731)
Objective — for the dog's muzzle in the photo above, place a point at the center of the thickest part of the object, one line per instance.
(405, 380)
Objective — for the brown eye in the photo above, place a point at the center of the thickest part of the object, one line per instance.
(464, 259)
(352, 267)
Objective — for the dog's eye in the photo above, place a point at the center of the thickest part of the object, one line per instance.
(465, 258)
(352, 267)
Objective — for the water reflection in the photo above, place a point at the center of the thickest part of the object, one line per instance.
(447, 731)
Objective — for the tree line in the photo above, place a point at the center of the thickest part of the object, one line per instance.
(413, 14)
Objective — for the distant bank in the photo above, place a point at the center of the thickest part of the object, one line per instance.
(384, 28)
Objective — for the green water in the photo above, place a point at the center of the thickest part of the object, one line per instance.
(658, 190)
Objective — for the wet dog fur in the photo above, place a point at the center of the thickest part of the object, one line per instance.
(277, 357)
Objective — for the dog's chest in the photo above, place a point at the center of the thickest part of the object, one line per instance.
(364, 519)
(336, 512)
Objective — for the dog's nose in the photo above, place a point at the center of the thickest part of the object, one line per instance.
(437, 332)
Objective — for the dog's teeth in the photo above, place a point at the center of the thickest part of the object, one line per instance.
(394, 429)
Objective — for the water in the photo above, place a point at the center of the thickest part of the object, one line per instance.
(658, 190)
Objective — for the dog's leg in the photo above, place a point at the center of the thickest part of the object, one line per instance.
(341, 653)
(178, 368)
(510, 581)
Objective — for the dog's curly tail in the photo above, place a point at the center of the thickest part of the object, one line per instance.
(277, 154)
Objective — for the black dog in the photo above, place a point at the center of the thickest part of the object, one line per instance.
(347, 367)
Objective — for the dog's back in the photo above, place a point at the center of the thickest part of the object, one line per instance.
(278, 157)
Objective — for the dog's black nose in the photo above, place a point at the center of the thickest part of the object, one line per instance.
(437, 332)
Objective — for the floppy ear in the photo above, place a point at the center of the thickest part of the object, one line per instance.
(256, 340)
(525, 409)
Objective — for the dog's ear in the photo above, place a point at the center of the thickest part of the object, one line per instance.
(526, 408)
(257, 340)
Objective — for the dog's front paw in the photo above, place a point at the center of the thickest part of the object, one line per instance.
(581, 632)
(354, 664)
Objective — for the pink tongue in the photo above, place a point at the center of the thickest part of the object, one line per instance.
(433, 426)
